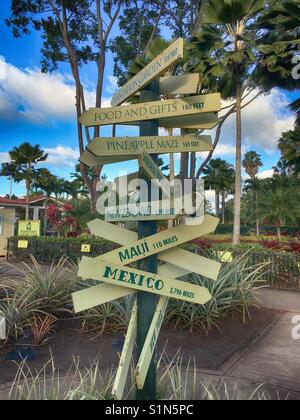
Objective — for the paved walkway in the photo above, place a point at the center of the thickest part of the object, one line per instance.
(272, 360)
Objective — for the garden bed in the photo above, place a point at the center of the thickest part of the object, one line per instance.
(68, 342)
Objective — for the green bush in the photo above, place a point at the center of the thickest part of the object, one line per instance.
(233, 292)
(46, 249)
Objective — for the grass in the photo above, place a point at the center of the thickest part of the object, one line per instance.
(175, 382)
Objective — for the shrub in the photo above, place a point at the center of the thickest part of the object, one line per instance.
(109, 317)
(203, 244)
(41, 325)
(16, 313)
(47, 290)
(271, 244)
(294, 246)
(233, 292)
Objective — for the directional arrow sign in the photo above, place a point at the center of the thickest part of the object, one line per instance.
(200, 121)
(179, 264)
(89, 159)
(193, 105)
(185, 84)
(142, 281)
(159, 65)
(126, 356)
(162, 241)
(150, 342)
(179, 257)
(107, 146)
(98, 295)
(2, 327)
(153, 172)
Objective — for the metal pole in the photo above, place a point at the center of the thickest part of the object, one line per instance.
(147, 301)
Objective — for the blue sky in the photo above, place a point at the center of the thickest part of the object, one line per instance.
(40, 109)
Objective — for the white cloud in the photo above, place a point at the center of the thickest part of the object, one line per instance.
(30, 95)
(4, 157)
(112, 85)
(62, 156)
(263, 122)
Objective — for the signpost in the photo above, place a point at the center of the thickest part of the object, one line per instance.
(152, 284)
(185, 84)
(158, 66)
(126, 356)
(152, 110)
(2, 327)
(124, 146)
(143, 281)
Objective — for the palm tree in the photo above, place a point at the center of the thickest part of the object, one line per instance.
(251, 163)
(45, 182)
(253, 186)
(229, 52)
(289, 145)
(24, 159)
(75, 189)
(278, 203)
(226, 185)
(218, 176)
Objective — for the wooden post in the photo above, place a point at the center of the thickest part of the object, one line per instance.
(147, 301)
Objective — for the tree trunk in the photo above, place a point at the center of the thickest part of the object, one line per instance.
(217, 199)
(27, 196)
(257, 227)
(172, 173)
(278, 230)
(238, 168)
(193, 165)
(223, 206)
(184, 166)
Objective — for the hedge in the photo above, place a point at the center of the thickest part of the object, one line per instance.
(247, 230)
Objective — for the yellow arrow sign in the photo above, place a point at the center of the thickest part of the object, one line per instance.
(142, 281)
(193, 105)
(200, 121)
(184, 84)
(150, 342)
(159, 65)
(89, 159)
(178, 257)
(162, 241)
(126, 356)
(98, 295)
(107, 146)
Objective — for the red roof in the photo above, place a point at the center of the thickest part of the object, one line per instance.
(21, 201)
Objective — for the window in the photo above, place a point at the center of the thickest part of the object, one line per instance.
(1, 225)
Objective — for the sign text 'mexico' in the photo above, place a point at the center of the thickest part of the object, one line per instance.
(142, 281)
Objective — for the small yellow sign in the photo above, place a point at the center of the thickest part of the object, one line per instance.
(85, 248)
(29, 228)
(22, 244)
(225, 257)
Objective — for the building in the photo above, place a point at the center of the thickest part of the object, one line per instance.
(13, 210)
